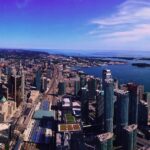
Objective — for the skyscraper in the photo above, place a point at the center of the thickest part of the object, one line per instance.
(106, 75)
(121, 113)
(76, 87)
(130, 134)
(108, 104)
(143, 116)
(100, 108)
(133, 102)
(23, 84)
(82, 80)
(92, 85)
(122, 108)
(38, 80)
(104, 141)
(15, 88)
(61, 88)
(84, 105)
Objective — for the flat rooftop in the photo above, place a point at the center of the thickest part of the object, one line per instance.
(69, 127)
(4, 126)
(131, 128)
(105, 136)
(121, 92)
(39, 114)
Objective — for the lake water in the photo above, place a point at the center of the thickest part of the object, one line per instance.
(124, 73)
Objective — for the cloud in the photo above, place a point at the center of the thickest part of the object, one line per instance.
(130, 22)
(22, 3)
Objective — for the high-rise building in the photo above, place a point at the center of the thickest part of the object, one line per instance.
(147, 99)
(108, 104)
(141, 91)
(84, 105)
(23, 85)
(44, 84)
(116, 84)
(92, 85)
(76, 87)
(38, 80)
(106, 75)
(100, 108)
(104, 141)
(130, 134)
(61, 88)
(15, 88)
(122, 108)
(82, 81)
(121, 113)
(143, 116)
(133, 102)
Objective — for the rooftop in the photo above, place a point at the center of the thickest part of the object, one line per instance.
(69, 127)
(131, 128)
(39, 114)
(4, 126)
(105, 136)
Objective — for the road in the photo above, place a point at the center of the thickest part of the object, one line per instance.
(52, 92)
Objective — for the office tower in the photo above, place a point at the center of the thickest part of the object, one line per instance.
(3, 91)
(121, 113)
(141, 91)
(143, 116)
(92, 87)
(122, 108)
(44, 84)
(106, 74)
(130, 134)
(22, 84)
(38, 80)
(82, 81)
(77, 141)
(104, 141)
(100, 108)
(116, 84)
(147, 99)
(76, 87)
(49, 73)
(108, 104)
(15, 88)
(133, 102)
(84, 105)
(61, 88)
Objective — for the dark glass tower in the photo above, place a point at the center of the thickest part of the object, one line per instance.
(130, 134)
(133, 102)
(84, 105)
(38, 80)
(121, 113)
(82, 81)
(105, 141)
(106, 75)
(108, 104)
(61, 88)
(122, 108)
(92, 85)
(76, 87)
(100, 109)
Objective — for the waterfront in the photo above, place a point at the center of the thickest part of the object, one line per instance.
(124, 73)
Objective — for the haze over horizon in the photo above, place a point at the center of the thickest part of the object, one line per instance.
(96, 25)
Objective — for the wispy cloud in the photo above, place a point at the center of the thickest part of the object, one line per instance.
(22, 3)
(130, 22)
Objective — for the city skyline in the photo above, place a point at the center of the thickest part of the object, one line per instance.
(75, 24)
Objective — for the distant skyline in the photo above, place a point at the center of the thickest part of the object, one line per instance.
(97, 25)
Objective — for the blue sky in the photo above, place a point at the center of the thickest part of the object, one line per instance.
(75, 24)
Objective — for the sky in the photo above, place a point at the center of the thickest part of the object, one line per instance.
(94, 25)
